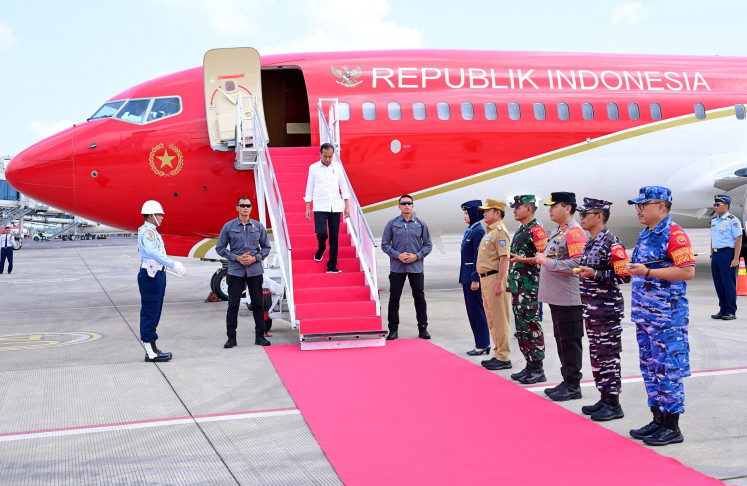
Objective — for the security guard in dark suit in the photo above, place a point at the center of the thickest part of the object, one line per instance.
(726, 235)
(470, 279)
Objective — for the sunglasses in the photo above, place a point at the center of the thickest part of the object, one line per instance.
(588, 213)
(245, 205)
(406, 203)
(715, 205)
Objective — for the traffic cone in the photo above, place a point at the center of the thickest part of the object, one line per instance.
(742, 278)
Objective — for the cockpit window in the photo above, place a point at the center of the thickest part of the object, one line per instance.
(163, 107)
(133, 111)
(108, 110)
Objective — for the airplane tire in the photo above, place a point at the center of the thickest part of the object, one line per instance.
(219, 284)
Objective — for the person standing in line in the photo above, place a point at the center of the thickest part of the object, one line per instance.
(523, 283)
(326, 187)
(7, 240)
(663, 261)
(559, 288)
(492, 266)
(470, 279)
(604, 265)
(243, 242)
(726, 243)
(407, 241)
(151, 279)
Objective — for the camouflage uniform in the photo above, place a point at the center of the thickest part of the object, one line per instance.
(523, 283)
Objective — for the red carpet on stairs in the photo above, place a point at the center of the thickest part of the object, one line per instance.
(325, 303)
(411, 413)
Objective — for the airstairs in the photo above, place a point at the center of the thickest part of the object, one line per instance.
(66, 228)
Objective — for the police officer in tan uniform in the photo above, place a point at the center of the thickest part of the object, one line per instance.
(492, 266)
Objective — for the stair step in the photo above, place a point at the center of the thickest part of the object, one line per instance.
(302, 253)
(311, 266)
(337, 309)
(306, 280)
(309, 239)
(294, 206)
(332, 294)
(321, 326)
(299, 218)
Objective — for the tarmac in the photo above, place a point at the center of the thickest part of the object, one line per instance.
(79, 406)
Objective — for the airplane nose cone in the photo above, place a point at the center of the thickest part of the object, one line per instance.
(44, 171)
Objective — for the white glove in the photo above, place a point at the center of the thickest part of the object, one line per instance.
(180, 268)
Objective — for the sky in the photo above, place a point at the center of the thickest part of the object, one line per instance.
(60, 61)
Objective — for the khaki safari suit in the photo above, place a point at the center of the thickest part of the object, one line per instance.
(495, 244)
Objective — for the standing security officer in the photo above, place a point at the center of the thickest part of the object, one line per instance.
(151, 279)
(604, 265)
(726, 243)
(470, 279)
(7, 240)
(523, 283)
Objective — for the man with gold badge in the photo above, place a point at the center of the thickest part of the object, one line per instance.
(492, 266)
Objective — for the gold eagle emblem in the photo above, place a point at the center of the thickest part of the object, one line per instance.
(348, 78)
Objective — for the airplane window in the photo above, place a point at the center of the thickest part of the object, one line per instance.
(539, 111)
(369, 111)
(418, 110)
(588, 111)
(444, 113)
(612, 112)
(491, 111)
(343, 111)
(108, 110)
(468, 111)
(514, 111)
(133, 111)
(700, 113)
(163, 107)
(633, 111)
(395, 111)
(656, 111)
(740, 112)
(564, 112)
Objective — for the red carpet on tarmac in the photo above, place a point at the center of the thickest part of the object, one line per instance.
(412, 413)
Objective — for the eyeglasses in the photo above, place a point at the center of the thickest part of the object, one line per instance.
(245, 205)
(406, 203)
(715, 205)
(640, 206)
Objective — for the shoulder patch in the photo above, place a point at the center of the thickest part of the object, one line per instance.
(576, 240)
(680, 250)
(540, 237)
(150, 235)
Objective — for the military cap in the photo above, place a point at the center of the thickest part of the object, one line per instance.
(648, 193)
(475, 203)
(561, 197)
(494, 204)
(722, 198)
(590, 204)
(523, 199)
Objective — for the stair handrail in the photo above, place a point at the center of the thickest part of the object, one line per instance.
(264, 172)
(360, 231)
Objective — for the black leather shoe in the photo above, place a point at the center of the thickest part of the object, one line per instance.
(728, 317)
(230, 343)
(589, 409)
(334, 270)
(392, 336)
(261, 341)
(717, 316)
(498, 365)
(556, 388)
(570, 392)
(478, 352)
(423, 334)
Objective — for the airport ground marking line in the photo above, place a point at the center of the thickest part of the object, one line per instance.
(139, 424)
(57, 309)
(637, 379)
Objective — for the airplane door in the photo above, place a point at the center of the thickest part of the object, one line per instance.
(228, 74)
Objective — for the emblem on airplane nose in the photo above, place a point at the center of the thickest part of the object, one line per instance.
(162, 161)
(348, 78)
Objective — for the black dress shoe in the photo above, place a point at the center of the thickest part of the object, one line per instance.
(728, 317)
(498, 365)
(478, 352)
(392, 336)
(261, 341)
(556, 388)
(319, 254)
(570, 392)
(230, 343)
(717, 316)
(486, 361)
(423, 334)
(589, 409)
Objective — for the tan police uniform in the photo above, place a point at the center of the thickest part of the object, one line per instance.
(494, 245)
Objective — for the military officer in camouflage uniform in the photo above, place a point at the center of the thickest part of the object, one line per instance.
(604, 265)
(662, 262)
(523, 283)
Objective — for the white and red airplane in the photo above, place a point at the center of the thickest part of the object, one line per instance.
(444, 126)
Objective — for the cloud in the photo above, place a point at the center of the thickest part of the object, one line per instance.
(43, 130)
(629, 14)
(7, 39)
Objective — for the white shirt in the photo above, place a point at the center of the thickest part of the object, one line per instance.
(7, 239)
(324, 185)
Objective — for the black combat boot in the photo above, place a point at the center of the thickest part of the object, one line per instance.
(589, 409)
(422, 332)
(572, 391)
(610, 410)
(521, 374)
(259, 337)
(535, 375)
(155, 355)
(554, 389)
(668, 433)
(649, 429)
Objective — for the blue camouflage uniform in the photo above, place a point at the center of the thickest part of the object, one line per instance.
(660, 310)
(468, 273)
(724, 232)
(152, 289)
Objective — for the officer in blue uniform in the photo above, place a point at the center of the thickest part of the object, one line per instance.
(662, 263)
(470, 279)
(151, 279)
(726, 236)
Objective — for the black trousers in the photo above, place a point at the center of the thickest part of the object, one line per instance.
(396, 284)
(568, 324)
(322, 223)
(235, 288)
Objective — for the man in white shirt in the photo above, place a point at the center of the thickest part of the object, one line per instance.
(7, 240)
(327, 188)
